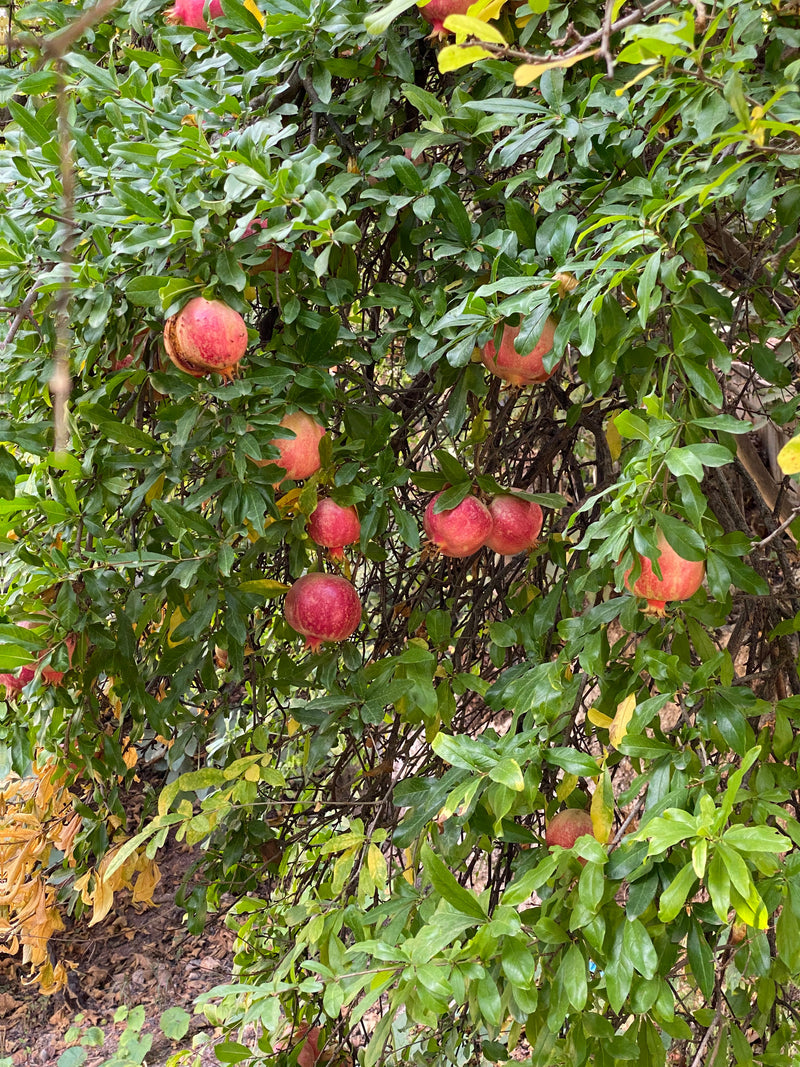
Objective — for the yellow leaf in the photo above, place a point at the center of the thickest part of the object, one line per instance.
(529, 72)
(566, 786)
(642, 74)
(376, 864)
(619, 726)
(265, 586)
(597, 718)
(487, 9)
(465, 26)
(602, 809)
(453, 56)
(146, 881)
(613, 440)
(102, 899)
(254, 11)
(156, 490)
(789, 457)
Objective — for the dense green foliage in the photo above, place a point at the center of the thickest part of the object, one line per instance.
(378, 809)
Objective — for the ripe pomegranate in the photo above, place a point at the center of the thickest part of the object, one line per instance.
(299, 455)
(278, 259)
(680, 578)
(516, 523)
(518, 369)
(460, 531)
(436, 11)
(333, 526)
(190, 13)
(322, 607)
(567, 826)
(205, 336)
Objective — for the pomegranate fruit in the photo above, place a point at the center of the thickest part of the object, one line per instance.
(460, 531)
(190, 13)
(322, 607)
(278, 259)
(205, 336)
(436, 11)
(518, 369)
(680, 578)
(567, 826)
(333, 526)
(299, 455)
(516, 523)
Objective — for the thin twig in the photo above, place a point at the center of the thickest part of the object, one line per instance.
(786, 522)
(23, 312)
(605, 40)
(698, 1059)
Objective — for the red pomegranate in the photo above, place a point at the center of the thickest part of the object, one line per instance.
(205, 336)
(322, 607)
(333, 526)
(516, 523)
(518, 369)
(460, 531)
(190, 13)
(436, 11)
(567, 826)
(278, 259)
(680, 578)
(299, 455)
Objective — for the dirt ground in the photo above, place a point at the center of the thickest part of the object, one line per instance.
(132, 958)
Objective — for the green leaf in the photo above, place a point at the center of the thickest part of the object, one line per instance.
(174, 1023)
(446, 885)
(572, 975)
(701, 959)
(572, 761)
(508, 773)
(756, 839)
(674, 896)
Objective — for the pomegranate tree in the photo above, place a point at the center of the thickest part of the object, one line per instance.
(190, 13)
(333, 526)
(516, 523)
(205, 336)
(322, 607)
(520, 369)
(680, 578)
(436, 11)
(299, 455)
(458, 531)
(567, 826)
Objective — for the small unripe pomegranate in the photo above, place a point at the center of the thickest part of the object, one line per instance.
(518, 369)
(278, 259)
(437, 11)
(333, 526)
(516, 523)
(205, 336)
(680, 578)
(460, 531)
(567, 826)
(322, 607)
(190, 13)
(299, 455)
